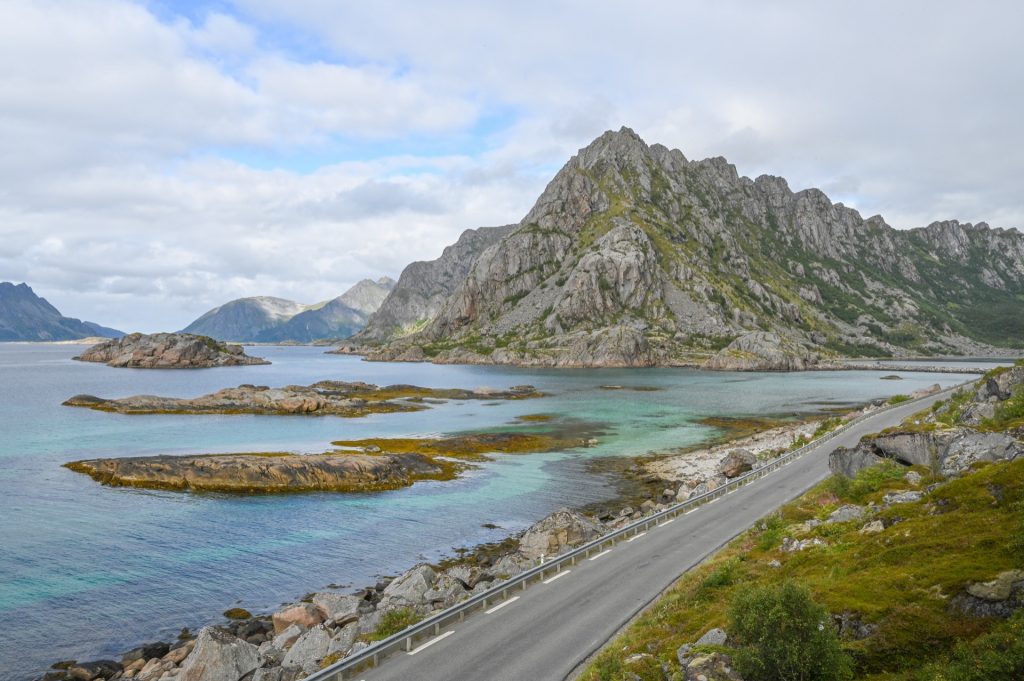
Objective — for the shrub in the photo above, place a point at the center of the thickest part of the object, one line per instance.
(393, 621)
(785, 636)
(899, 399)
(867, 482)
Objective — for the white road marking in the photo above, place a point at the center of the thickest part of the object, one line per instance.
(600, 554)
(635, 536)
(431, 642)
(501, 605)
(670, 520)
(561, 574)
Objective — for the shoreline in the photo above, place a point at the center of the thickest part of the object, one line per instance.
(643, 485)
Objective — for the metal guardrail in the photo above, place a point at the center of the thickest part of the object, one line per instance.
(431, 626)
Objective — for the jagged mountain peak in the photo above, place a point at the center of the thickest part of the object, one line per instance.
(634, 255)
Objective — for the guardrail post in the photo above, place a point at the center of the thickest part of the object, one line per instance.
(376, 659)
(408, 644)
(437, 628)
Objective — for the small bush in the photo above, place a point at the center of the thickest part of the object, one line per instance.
(785, 636)
(867, 482)
(393, 621)
(772, 529)
(723, 575)
(899, 399)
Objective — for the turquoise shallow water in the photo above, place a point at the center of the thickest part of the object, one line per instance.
(88, 571)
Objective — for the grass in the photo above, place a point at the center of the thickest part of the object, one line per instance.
(392, 622)
(899, 399)
(900, 580)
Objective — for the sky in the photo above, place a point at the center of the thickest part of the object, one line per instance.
(159, 158)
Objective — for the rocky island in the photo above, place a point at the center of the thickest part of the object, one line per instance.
(168, 351)
(326, 398)
(267, 473)
(358, 466)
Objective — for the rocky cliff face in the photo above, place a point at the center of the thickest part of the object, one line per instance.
(634, 255)
(423, 287)
(24, 316)
(168, 351)
(981, 422)
(273, 320)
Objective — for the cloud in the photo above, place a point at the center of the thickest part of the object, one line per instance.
(157, 164)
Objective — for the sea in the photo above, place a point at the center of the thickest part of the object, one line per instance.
(88, 571)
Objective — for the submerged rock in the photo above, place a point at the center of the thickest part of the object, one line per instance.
(168, 351)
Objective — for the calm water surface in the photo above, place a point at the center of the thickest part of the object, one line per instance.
(88, 571)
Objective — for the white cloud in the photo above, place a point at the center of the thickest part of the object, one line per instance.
(126, 197)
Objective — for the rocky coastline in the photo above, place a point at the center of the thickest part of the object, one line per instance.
(325, 398)
(323, 627)
(168, 351)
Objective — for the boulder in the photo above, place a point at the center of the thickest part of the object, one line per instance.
(219, 656)
(999, 589)
(343, 640)
(97, 669)
(308, 650)
(409, 590)
(286, 638)
(846, 513)
(712, 667)
(556, 532)
(336, 606)
(907, 497)
(303, 614)
(874, 527)
(848, 462)
(145, 652)
(969, 447)
(737, 462)
(713, 637)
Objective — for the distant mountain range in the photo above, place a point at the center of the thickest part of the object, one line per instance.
(24, 316)
(636, 256)
(264, 319)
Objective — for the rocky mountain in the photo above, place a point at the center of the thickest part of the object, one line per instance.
(423, 287)
(24, 316)
(271, 320)
(636, 256)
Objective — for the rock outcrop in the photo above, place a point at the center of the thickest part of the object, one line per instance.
(168, 351)
(266, 473)
(24, 316)
(333, 398)
(635, 255)
(950, 439)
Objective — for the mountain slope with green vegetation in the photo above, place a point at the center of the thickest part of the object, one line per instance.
(634, 255)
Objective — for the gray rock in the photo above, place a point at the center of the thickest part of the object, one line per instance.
(308, 650)
(556, 532)
(846, 513)
(343, 639)
(999, 589)
(713, 637)
(337, 606)
(713, 667)
(913, 477)
(763, 351)
(89, 671)
(737, 462)
(907, 497)
(290, 635)
(219, 656)
(874, 527)
(409, 590)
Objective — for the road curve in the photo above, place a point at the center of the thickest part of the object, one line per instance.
(550, 631)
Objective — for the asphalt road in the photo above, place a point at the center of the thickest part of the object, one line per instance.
(550, 631)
